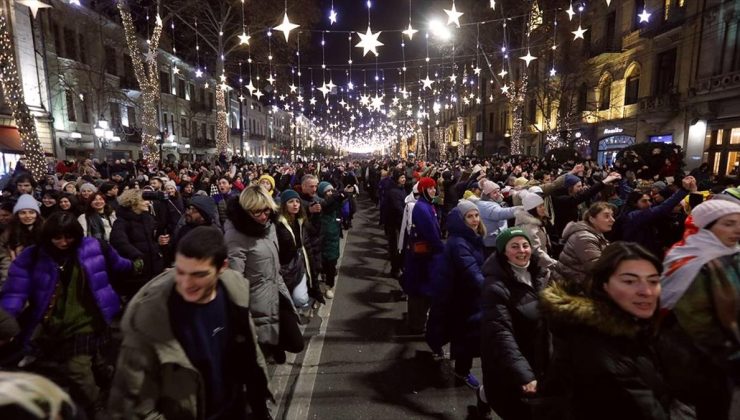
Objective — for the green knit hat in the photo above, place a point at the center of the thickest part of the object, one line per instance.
(504, 237)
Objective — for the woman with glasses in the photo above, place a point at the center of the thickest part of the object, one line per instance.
(253, 251)
(63, 290)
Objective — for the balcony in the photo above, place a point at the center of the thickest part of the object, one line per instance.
(723, 83)
(659, 109)
(130, 84)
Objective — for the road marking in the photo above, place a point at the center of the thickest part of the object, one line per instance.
(300, 401)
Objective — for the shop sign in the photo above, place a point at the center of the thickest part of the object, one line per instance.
(615, 130)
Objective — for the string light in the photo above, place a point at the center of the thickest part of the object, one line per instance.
(25, 122)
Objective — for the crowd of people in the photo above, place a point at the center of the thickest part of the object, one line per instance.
(145, 292)
(585, 291)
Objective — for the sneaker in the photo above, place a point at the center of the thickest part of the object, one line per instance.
(329, 293)
(468, 380)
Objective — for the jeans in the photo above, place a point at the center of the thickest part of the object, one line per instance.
(300, 293)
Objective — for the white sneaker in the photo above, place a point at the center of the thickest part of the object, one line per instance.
(329, 293)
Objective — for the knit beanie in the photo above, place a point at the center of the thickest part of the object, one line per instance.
(289, 195)
(205, 206)
(88, 186)
(520, 182)
(504, 237)
(324, 187)
(488, 186)
(531, 200)
(26, 202)
(170, 183)
(711, 210)
(426, 183)
(465, 206)
(730, 194)
(269, 179)
(571, 180)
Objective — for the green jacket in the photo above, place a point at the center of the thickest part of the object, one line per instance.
(155, 379)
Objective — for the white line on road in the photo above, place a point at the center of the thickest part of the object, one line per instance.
(300, 403)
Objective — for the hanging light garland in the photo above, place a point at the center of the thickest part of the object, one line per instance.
(25, 122)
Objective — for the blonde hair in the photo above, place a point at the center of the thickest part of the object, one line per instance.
(131, 198)
(35, 394)
(255, 198)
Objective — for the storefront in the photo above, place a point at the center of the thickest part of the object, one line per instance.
(610, 146)
(11, 149)
(722, 149)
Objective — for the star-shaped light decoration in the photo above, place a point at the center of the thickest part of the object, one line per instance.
(453, 16)
(364, 100)
(244, 38)
(377, 102)
(410, 32)
(286, 26)
(493, 4)
(250, 87)
(223, 78)
(332, 16)
(453, 78)
(299, 99)
(395, 101)
(175, 70)
(553, 72)
(331, 85)
(312, 101)
(206, 86)
(350, 85)
(324, 89)
(271, 79)
(505, 89)
(427, 83)
(343, 103)
(570, 12)
(293, 88)
(258, 93)
(578, 33)
(198, 73)
(644, 16)
(608, 3)
(242, 98)
(369, 42)
(503, 73)
(223, 86)
(528, 58)
(151, 57)
(34, 5)
(476, 70)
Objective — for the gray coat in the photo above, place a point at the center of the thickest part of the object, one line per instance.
(583, 247)
(253, 251)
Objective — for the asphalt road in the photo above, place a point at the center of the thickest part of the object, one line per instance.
(359, 363)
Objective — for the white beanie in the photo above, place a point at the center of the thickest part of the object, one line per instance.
(535, 189)
(465, 206)
(531, 201)
(170, 183)
(711, 210)
(88, 186)
(488, 186)
(26, 202)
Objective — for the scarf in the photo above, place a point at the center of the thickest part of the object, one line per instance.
(683, 262)
(95, 226)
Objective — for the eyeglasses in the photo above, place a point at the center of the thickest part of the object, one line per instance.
(259, 213)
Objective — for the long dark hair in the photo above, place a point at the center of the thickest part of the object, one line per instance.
(61, 223)
(289, 217)
(613, 255)
(19, 234)
(107, 209)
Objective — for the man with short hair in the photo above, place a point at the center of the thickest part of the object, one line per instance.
(225, 192)
(24, 184)
(189, 346)
(313, 205)
(200, 212)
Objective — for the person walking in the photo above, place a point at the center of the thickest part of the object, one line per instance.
(198, 317)
(291, 235)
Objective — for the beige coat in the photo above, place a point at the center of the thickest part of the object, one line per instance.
(583, 246)
(538, 235)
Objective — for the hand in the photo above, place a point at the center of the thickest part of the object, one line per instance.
(315, 208)
(530, 388)
(614, 176)
(138, 266)
(164, 240)
(577, 169)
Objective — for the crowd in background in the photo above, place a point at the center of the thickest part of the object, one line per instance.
(587, 292)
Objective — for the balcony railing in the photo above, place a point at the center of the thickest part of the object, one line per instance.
(718, 83)
(129, 83)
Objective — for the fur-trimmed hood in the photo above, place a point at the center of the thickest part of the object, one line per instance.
(565, 310)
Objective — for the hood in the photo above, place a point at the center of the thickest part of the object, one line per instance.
(456, 226)
(244, 223)
(575, 227)
(524, 218)
(410, 198)
(566, 310)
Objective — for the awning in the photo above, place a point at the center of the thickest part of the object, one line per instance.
(10, 140)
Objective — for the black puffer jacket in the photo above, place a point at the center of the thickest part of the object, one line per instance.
(514, 339)
(293, 261)
(314, 236)
(603, 364)
(134, 237)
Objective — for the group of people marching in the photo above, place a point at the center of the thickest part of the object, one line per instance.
(146, 292)
(585, 293)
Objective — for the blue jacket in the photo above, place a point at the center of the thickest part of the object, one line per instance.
(33, 277)
(638, 225)
(459, 282)
(418, 267)
(494, 217)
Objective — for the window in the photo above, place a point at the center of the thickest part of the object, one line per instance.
(212, 132)
(632, 87)
(128, 69)
(532, 110)
(131, 112)
(184, 127)
(111, 61)
(57, 39)
(673, 9)
(191, 91)
(665, 72)
(203, 134)
(605, 97)
(115, 115)
(70, 100)
(70, 44)
(164, 82)
(582, 104)
(209, 103)
(85, 111)
(180, 88)
(83, 51)
(195, 129)
(164, 121)
(611, 32)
